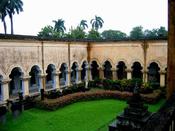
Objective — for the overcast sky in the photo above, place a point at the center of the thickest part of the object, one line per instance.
(120, 15)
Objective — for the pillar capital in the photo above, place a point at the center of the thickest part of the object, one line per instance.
(144, 71)
(162, 72)
(113, 69)
(27, 77)
(129, 70)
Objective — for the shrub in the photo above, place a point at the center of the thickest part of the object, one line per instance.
(146, 88)
(53, 94)
(86, 96)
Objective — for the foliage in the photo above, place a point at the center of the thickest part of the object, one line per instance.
(75, 97)
(59, 27)
(97, 23)
(77, 33)
(83, 24)
(94, 35)
(46, 32)
(3, 13)
(155, 33)
(113, 34)
(137, 32)
(10, 7)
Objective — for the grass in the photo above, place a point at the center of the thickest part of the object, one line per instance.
(81, 116)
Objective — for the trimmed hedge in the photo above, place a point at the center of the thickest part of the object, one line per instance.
(53, 104)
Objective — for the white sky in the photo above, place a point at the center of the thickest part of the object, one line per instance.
(117, 14)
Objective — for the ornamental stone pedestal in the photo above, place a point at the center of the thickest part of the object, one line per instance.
(134, 117)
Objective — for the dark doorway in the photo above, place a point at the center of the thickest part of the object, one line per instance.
(50, 76)
(107, 70)
(84, 71)
(63, 74)
(74, 73)
(15, 85)
(137, 70)
(34, 80)
(94, 70)
(153, 74)
(121, 70)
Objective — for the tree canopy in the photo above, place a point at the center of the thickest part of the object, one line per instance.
(59, 26)
(83, 24)
(97, 23)
(77, 33)
(10, 7)
(113, 34)
(138, 32)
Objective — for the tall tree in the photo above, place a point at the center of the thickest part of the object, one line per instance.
(97, 23)
(59, 26)
(156, 33)
(94, 35)
(46, 32)
(14, 6)
(162, 32)
(83, 24)
(113, 34)
(77, 33)
(3, 13)
(137, 32)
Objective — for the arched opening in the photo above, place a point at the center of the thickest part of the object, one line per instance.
(1, 87)
(153, 74)
(63, 75)
(121, 70)
(94, 70)
(137, 70)
(50, 81)
(35, 79)
(84, 71)
(74, 73)
(15, 85)
(107, 70)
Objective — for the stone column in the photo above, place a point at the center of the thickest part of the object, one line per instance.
(89, 75)
(43, 81)
(101, 72)
(162, 78)
(129, 75)
(5, 90)
(56, 84)
(68, 78)
(79, 76)
(25, 86)
(145, 75)
(114, 74)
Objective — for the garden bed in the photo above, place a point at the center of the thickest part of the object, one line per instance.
(53, 104)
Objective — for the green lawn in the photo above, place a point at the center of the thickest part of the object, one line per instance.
(81, 116)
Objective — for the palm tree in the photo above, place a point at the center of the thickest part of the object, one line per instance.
(14, 6)
(59, 26)
(97, 23)
(3, 13)
(83, 24)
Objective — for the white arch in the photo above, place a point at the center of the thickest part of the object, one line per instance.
(95, 59)
(111, 62)
(156, 61)
(30, 67)
(13, 66)
(84, 60)
(137, 60)
(124, 60)
(60, 64)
